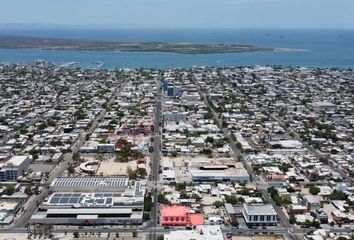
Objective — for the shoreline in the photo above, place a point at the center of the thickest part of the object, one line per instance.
(20, 42)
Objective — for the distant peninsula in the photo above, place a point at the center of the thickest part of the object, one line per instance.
(22, 42)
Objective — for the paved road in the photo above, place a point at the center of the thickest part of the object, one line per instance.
(155, 165)
(161, 230)
(26, 215)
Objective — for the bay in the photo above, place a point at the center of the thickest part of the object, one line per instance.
(323, 47)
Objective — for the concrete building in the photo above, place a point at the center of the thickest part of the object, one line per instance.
(90, 208)
(312, 202)
(175, 216)
(13, 168)
(87, 207)
(180, 216)
(175, 116)
(200, 233)
(106, 148)
(225, 173)
(174, 90)
(259, 214)
(90, 184)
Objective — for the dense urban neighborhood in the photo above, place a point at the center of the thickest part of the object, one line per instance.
(253, 152)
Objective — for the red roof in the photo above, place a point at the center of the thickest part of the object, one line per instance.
(168, 211)
(196, 219)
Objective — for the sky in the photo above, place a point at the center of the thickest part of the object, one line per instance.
(182, 13)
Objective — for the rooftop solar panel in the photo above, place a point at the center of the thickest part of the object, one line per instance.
(64, 200)
(54, 200)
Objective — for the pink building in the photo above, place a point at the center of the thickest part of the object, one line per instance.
(175, 216)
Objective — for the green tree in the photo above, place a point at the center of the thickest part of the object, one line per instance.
(131, 173)
(209, 140)
(28, 190)
(147, 203)
(292, 219)
(141, 172)
(218, 204)
(337, 195)
(161, 198)
(10, 189)
(71, 168)
(314, 190)
(181, 186)
(285, 167)
(76, 234)
(232, 199)
(146, 216)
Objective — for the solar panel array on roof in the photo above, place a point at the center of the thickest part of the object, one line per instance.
(83, 199)
(91, 182)
(138, 190)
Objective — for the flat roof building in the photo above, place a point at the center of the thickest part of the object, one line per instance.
(92, 200)
(200, 233)
(225, 173)
(91, 184)
(13, 168)
(180, 216)
(259, 214)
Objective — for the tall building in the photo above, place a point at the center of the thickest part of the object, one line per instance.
(13, 168)
(175, 116)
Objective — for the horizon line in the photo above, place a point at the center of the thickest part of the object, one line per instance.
(114, 26)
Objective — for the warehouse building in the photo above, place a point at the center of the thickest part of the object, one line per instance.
(90, 184)
(92, 201)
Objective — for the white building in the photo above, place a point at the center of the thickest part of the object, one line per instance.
(106, 148)
(225, 173)
(92, 201)
(200, 233)
(175, 116)
(13, 168)
(259, 214)
(90, 184)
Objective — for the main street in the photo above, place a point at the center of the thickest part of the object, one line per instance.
(155, 164)
(162, 230)
(68, 157)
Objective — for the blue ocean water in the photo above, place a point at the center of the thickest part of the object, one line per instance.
(324, 47)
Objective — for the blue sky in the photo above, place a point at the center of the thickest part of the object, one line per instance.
(182, 13)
